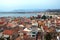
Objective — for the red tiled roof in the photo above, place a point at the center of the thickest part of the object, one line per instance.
(8, 32)
(45, 28)
(58, 21)
(1, 22)
(9, 24)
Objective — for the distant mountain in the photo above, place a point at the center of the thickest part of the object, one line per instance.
(30, 10)
(38, 10)
(35, 10)
(53, 10)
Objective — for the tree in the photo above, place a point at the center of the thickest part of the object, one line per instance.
(50, 16)
(48, 36)
(43, 17)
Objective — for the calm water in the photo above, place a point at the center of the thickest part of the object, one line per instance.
(17, 14)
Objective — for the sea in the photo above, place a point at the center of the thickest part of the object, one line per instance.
(17, 14)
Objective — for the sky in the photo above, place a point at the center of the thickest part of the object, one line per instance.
(9, 5)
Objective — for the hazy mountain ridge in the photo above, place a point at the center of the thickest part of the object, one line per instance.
(35, 10)
(38, 10)
(53, 10)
